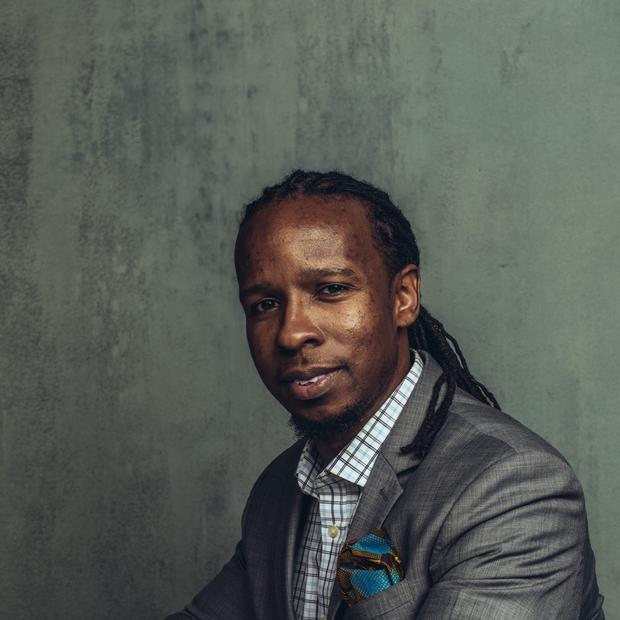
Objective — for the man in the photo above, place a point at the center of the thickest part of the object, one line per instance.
(409, 494)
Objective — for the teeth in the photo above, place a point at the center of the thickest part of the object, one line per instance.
(310, 381)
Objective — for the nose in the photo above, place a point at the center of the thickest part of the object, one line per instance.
(297, 328)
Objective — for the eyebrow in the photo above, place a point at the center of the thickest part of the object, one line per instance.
(329, 272)
(308, 274)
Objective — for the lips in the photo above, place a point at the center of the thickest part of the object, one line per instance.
(310, 383)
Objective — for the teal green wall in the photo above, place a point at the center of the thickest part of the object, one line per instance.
(131, 133)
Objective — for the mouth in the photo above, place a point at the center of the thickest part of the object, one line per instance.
(310, 384)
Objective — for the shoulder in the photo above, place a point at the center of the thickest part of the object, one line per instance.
(486, 458)
(472, 426)
(280, 472)
(285, 463)
(499, 519)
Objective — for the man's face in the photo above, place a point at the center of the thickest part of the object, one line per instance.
(322, 316)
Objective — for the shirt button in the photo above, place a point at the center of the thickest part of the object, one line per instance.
(333, 531)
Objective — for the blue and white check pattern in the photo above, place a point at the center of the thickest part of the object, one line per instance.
(338, 488)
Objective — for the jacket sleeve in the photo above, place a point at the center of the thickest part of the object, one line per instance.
(514, 546)
(225, 596)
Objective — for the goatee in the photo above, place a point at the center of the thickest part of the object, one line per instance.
(331, 427)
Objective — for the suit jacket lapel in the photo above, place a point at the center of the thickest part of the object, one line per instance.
(383, 487)
(379, 495)
(411, 418)
(282, 532)
(292, 535)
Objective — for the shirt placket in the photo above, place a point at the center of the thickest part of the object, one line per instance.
(332, 492)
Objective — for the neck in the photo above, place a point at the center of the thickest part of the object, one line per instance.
(329, 447)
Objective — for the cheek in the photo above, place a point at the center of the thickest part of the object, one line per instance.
(349, 322)
(258, 341)
(362, 316)
(366, 330)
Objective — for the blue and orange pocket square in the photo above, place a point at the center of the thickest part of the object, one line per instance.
(367, 566)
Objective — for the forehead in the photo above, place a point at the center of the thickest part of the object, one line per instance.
(308, 229)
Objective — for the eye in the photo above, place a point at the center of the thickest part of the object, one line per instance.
(332, 290)
(264, 305)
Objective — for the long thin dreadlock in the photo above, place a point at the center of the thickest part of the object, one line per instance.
(398, 246)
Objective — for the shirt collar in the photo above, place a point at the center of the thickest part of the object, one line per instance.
(354, 462)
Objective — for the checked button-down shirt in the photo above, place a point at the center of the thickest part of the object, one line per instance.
(336, 491)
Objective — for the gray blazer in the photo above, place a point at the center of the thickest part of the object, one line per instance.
(491, 524)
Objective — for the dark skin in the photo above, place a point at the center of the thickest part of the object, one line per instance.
(326, 325)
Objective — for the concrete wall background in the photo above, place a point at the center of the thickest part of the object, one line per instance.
(130, 135)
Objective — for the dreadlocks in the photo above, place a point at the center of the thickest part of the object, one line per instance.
(397, 244)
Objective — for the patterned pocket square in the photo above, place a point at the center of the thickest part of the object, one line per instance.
(367, 566)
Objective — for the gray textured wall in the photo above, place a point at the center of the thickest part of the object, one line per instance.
(130, 135)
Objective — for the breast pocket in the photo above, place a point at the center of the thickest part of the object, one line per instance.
(396, 602)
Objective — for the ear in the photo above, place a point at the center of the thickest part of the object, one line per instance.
(406, 287)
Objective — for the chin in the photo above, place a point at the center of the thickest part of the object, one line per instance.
(328, 426)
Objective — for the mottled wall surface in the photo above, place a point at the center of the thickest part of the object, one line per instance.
(133, 424)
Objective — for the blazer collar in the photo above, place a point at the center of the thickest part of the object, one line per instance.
(412, 416)
(383, 487)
